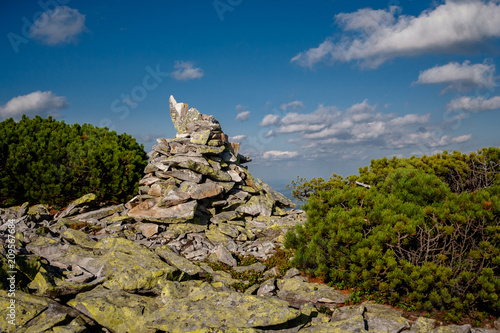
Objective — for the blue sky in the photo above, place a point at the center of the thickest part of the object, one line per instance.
(308, 88)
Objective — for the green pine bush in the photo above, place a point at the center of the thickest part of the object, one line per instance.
(48, 161)
(426, 233)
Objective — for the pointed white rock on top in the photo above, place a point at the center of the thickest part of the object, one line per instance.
(181, 115)
(180, 108)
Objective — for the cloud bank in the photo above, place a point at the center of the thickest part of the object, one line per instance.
(476, 104)
(372, 37)
(327, 129)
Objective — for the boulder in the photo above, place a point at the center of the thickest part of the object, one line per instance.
(298, 291)
(201, 308)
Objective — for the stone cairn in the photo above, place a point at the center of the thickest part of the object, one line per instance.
(196, 182)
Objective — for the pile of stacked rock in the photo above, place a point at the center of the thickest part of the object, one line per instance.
(197, 179)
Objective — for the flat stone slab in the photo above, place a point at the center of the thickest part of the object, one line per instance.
(178, 261)
(298, 290)
(203, 308)
(149, 210)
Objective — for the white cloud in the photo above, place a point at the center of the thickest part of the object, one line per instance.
(410, 119)
(325, 130)
(59, 25)
(243, 116)
(269, 120)
(375, 36)
(460, 77)
(240, 107)
(279, 155)
(323, 114)
(186, 71)
(38, 102)
(462, 138)
(474, 104)
(295, 105)
(237, 138)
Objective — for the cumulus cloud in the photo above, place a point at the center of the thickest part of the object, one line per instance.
(477, 104)
(295, 105)
(374, 36)
(185, 70)
(243, 116)
(279, 155)
(38, 102)
(460, 77)
(58, 26)
(269, 120)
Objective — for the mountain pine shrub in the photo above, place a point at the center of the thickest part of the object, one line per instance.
(426, 232)
(48, 161)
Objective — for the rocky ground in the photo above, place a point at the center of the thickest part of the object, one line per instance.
(98, 270)
(197, 250)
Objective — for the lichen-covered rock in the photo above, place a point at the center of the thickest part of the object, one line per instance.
(178, 261)
(423, 325)
(132, 267)
(100, 213)
(183, 174)
(353, 324)
(201, 137)
(257, 204)
(297, 290)
(216, 237)
(25, 308)
(203, 308)
(382, 318)
(279, 198)
(206, 170)
(452, 329)
(79, 238)
(149, 210)
(181, 115)
(79, 205)
(116, 310)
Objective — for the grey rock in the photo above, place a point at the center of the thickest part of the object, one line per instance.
(382, 318)
(183, 174)
(148, 229)
(292, 272)
(452, 329)
(78, 206)
(224, 256)
(267, 287)
(181, 115)
(149, 210)
(257, 205)
(298, 291)
(178, 261)
(258, 267)
(423, 325)
(206, 190)
(173, 197)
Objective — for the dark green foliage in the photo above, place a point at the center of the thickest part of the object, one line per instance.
(460, 172)
(426, 233)
(47, 161)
